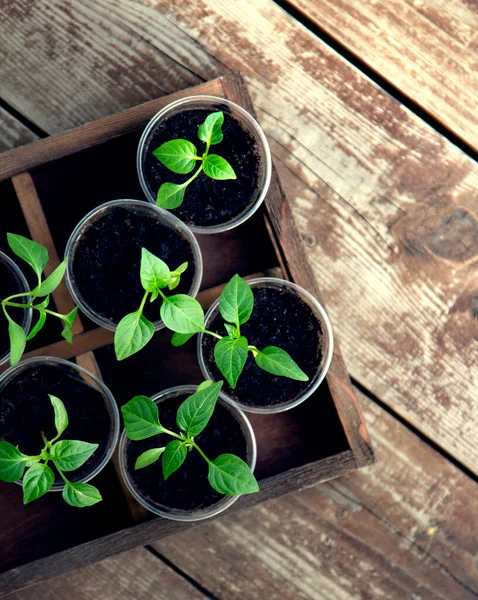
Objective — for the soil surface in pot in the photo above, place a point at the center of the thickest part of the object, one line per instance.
(26, 411)
(188, 488)
(9, 284)
(207, 201)
(106, 263)
(280, 318)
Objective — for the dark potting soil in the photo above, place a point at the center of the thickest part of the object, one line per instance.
(280, 318)
(26, 411)
(9, 284)
(207, 201)
(106, 264)
(188, 488)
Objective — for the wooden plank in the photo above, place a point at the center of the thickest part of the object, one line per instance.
(12, 132)
(428, 50)
(386, 207)
(404, 528)
(137, 574)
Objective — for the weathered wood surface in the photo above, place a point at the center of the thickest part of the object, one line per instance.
(386, 206)
(403, 528)
(137, 574)
(428, 50)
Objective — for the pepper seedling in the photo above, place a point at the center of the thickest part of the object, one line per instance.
(227, 474)
(65, 455)
(236, 304)
(181, 156)
(180, 311)
(37, 257)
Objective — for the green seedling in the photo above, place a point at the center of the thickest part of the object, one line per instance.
(181, 156)
(65, 456)
(227, 474)
(37, 257)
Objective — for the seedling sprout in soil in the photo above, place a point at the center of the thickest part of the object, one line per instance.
(38, 477)
(227, 474)
(37, 257)
(181, 156)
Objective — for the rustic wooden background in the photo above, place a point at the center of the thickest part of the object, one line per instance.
(371, 111)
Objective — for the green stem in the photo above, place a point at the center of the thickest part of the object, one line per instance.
(143, 302)
(16, 296)
(200, 451)
(253, 349)
(17, 305)
(191, 179)
(176, 435)
(216, 335)
(61, 473)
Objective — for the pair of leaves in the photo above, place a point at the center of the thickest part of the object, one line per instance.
(181, 156)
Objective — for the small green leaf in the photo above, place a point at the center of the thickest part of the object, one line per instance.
(12, 462)
(132, 334)
(194, 413)
(182, 267)
(204, 385)
(217, 167)
(37, 482)
(230, 475)
(148, 458)
(38, 325)
(182, 314)
(176, 276)
(81, 494)
(61, 416)
(69, 455)
(232, 330)
(51, 282)
(154, 272)
(173, 457)
(236, 301)
(278, 362)
(170, 195)
(29, 251)
(141, 418)
(179, 156)
(210, 131)
(68, 319)
(179, 339)
(230, 356)
(18, 340)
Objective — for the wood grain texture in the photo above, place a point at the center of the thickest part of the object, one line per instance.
(386, 207)
(137, 574)
(12, 132)
(429, 50)
(404, 528)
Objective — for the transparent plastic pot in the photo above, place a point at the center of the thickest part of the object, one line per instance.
(27, 313)
(91, 381)
(137, 205)
(198, 514)
(327, 346)
(212, 104)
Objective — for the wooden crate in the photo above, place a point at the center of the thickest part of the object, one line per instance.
(46, 187)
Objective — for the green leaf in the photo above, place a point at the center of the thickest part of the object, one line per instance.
(61, 416)
(230, 475)
(182, 267)
(170, 195)
(37, 482)
(179, 156)
(51, 282)
(132, 334)
(18, 340)
(194, 413)
(204, 385)
(141, 418)
(173, 457)
(12, 462)
(236, 301)
(81, 494)
(232, 330)
(179, 339)
(211, 130)
(38, 325)
(230, 356)
(148, 458)
(69, 455)
(182, 314)
(29, 251)
(278, 362)
(68, 319)
(154, 272)
(176, 276)
(217, 167)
